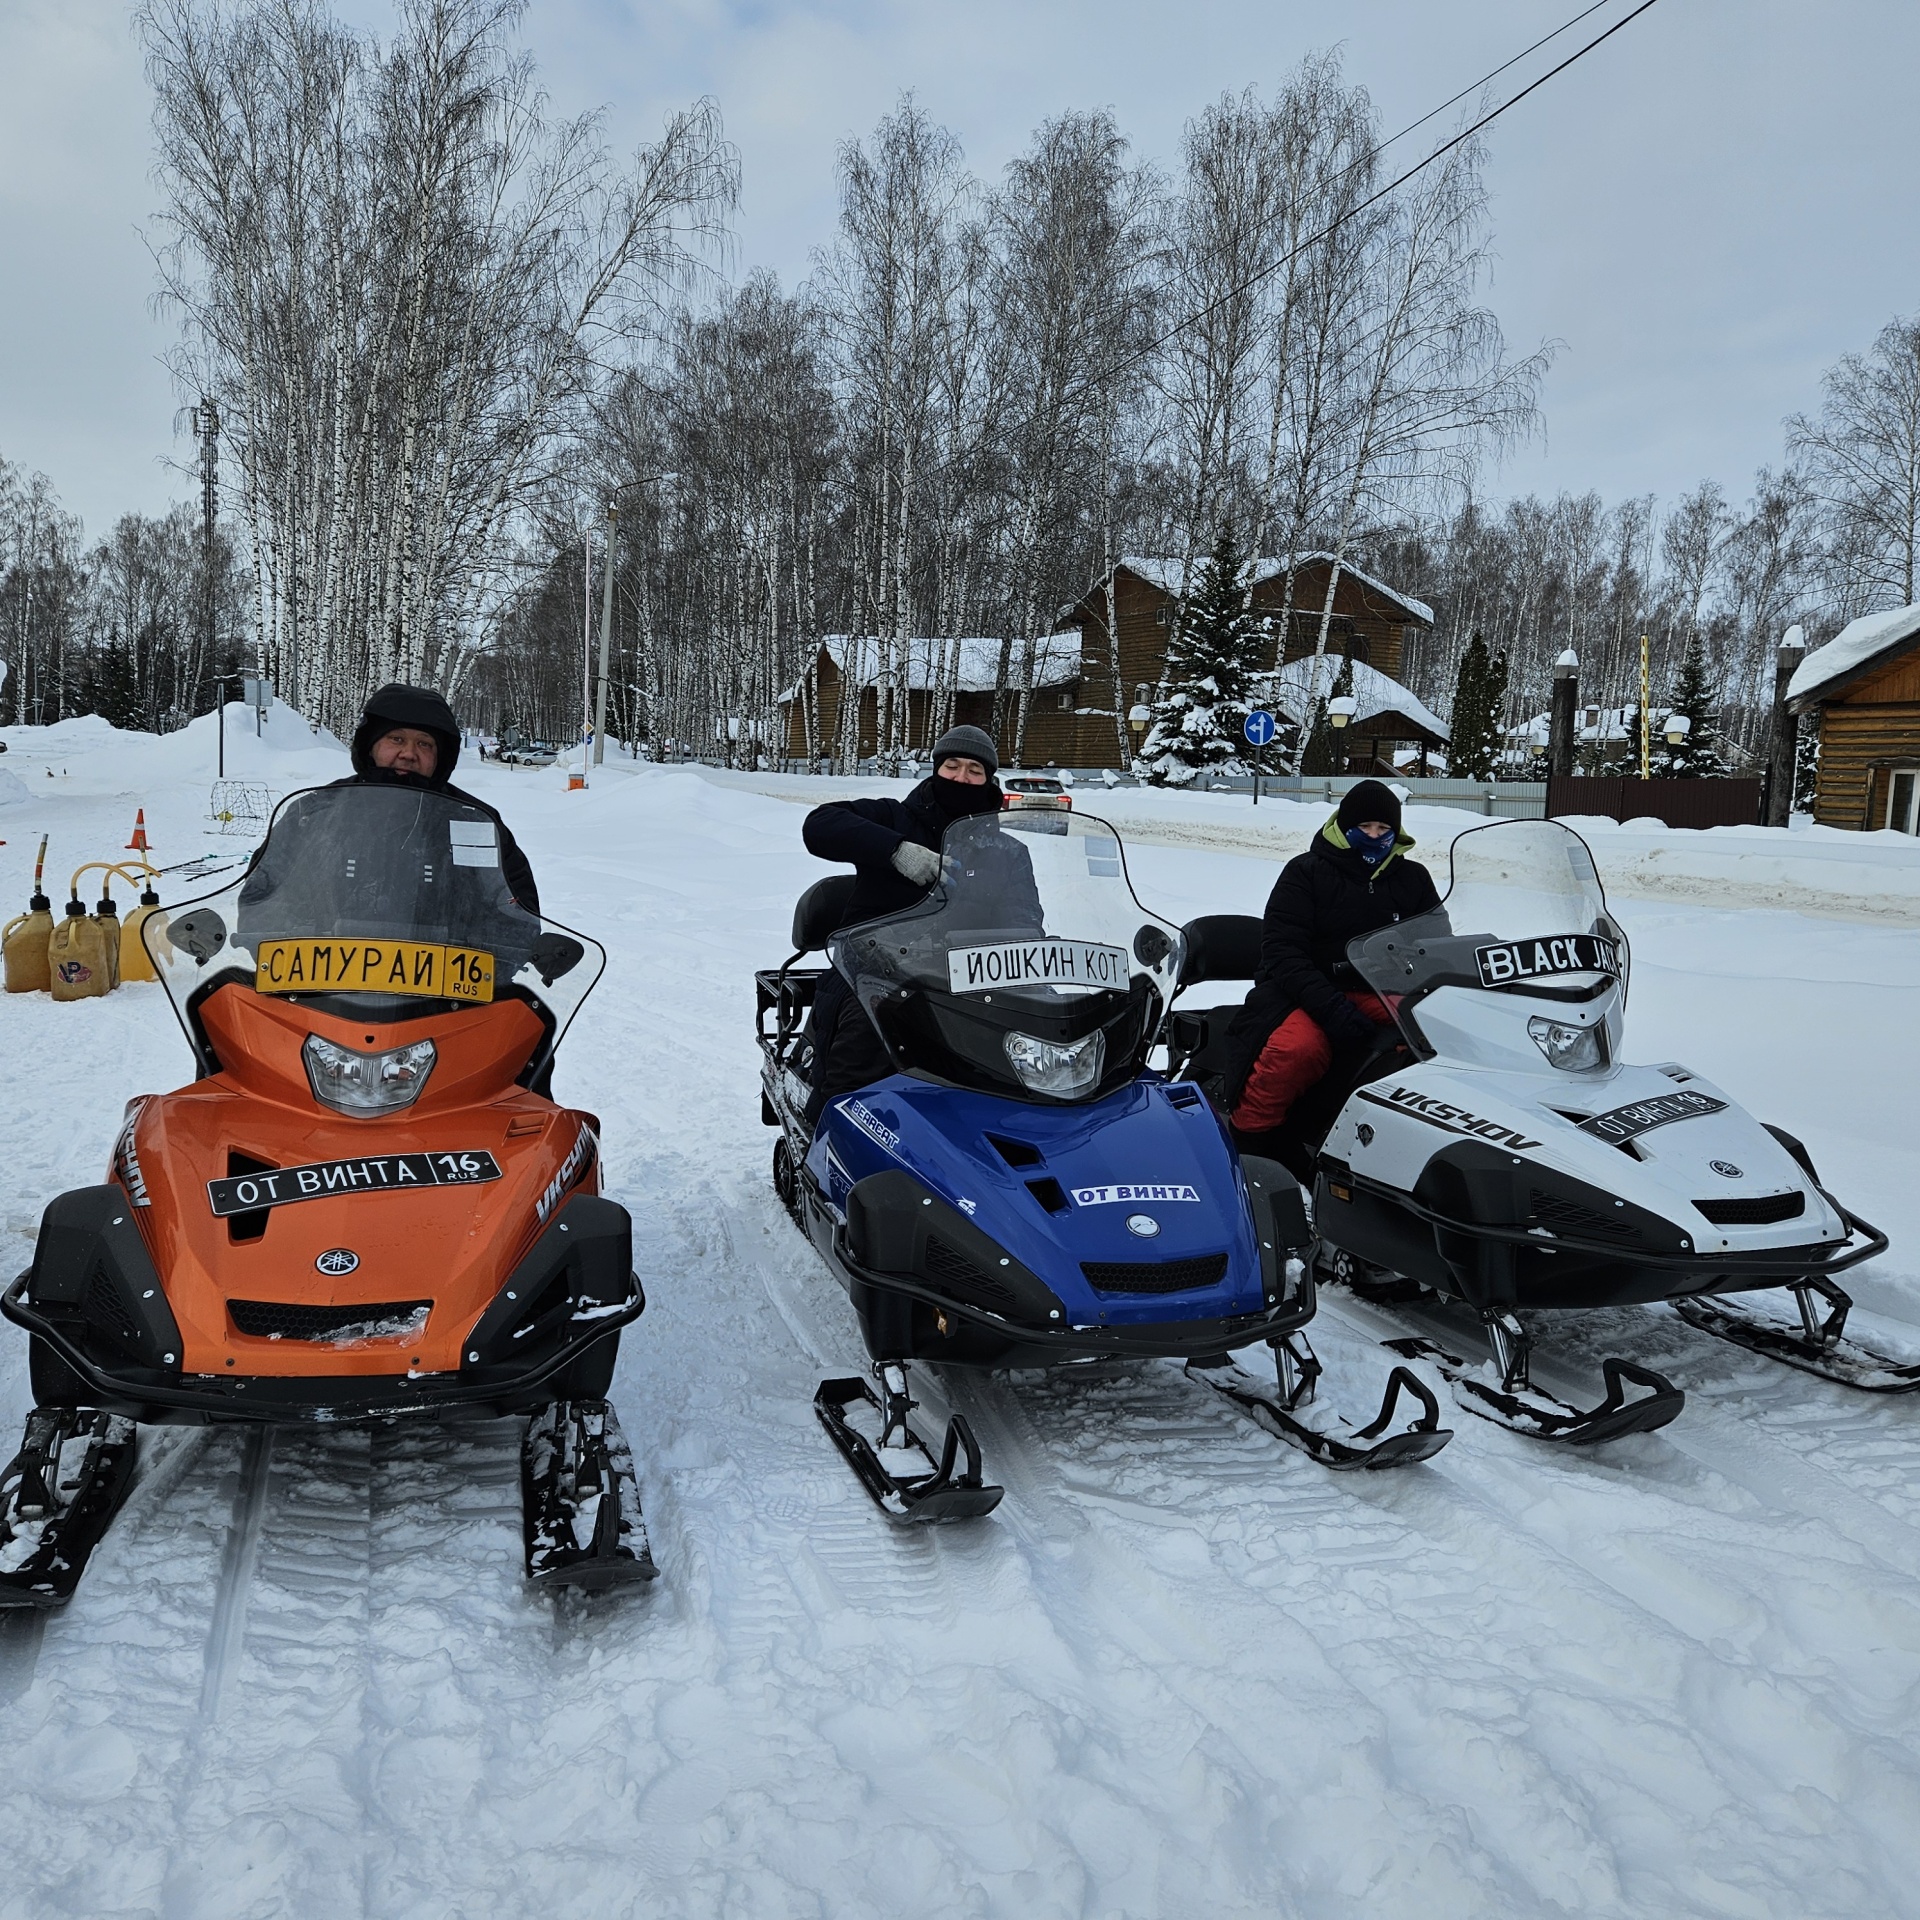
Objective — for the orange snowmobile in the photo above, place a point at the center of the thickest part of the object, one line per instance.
(365, 1206)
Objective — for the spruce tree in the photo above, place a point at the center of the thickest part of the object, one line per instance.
(1479, 696)
(1202, 705)
(1806, 763)
(1699, 757)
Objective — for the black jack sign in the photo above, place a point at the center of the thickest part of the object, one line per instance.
(1514, 960)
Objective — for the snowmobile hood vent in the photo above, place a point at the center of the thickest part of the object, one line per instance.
(375, 1320)
(1761, 1210)
(1155, 1276)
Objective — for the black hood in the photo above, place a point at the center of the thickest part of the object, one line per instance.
(395, 705)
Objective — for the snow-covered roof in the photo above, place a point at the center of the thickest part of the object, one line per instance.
(1056, 661)
(1856, 645)
(1293, 689)
(1166, 575)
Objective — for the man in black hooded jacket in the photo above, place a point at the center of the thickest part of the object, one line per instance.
(408, 736)
(1307, 1004)
(894, 847)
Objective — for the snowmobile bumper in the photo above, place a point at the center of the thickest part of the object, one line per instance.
(890, 1255)
(1500, 1263)
(95, 1299)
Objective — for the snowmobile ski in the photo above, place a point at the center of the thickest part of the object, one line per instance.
(1521, 1407)
(580, 1500)
(930, 1489)
(57, 1496)
(1821, 1347)
(1278, 1410)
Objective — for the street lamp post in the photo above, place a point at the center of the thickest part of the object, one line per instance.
(606, 636)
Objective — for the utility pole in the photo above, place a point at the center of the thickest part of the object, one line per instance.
(1786, 729)
(606, 636)
(206, 427)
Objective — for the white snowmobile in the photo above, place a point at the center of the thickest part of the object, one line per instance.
(1498, 1152)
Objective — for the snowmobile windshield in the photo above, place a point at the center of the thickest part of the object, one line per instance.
(1524, 914)
(374, 902)
(1029, 969)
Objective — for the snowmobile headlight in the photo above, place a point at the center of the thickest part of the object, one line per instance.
(1573, 1048)
(352, 1082)
(1049, 1067)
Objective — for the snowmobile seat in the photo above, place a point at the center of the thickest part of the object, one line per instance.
(819, 911)
(1221, 946)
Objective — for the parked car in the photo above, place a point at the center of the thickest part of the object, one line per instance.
(1035, 790)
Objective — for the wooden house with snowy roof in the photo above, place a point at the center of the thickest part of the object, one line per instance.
(1076, 703)
(1126, 619)
(1862, 691)
(947, 683)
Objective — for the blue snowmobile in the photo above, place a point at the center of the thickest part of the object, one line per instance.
(1023, 1190)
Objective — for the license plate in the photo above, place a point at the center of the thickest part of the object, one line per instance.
(1628, 1123)
(1515, 960)
(374, 966)
(1037, 963)
(374, 1173)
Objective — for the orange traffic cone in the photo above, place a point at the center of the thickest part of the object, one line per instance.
(138, 844)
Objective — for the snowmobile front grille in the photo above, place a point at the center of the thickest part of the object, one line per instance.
(1155, 1276)
(1561, 1215)
(1762, 1211)
(950, 1268)
(373, 1320)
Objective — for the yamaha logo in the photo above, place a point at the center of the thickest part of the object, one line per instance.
(1144, 1224)
(1726, 1169)
(337, 1260)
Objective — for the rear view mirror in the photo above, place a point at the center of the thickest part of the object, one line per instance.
(554, 954)
(201, 933)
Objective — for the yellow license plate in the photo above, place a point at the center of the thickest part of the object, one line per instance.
(374, 966)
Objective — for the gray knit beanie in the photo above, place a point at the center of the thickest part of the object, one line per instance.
(967, 743)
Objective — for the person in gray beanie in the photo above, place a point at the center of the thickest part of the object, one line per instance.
(894, 848)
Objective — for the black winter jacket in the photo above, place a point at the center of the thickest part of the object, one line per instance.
(864, 834)
(1324, 898)
(513, 863)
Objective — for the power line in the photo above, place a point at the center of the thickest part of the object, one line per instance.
(1394, 185)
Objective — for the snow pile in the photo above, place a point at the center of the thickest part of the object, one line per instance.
(12, 789)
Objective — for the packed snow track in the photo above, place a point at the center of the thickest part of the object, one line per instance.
(1182, 1671)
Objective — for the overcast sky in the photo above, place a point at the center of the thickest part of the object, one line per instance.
(1707, 211)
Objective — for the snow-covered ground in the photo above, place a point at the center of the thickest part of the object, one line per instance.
(1181, 1671)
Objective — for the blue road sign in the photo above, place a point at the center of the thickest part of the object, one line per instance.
(1260, 728)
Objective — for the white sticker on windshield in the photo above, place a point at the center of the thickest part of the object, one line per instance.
(1131, 1196)
(1037, 963)
(476, 843)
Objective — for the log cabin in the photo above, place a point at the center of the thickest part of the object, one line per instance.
(1862, 691)
(1076, 710)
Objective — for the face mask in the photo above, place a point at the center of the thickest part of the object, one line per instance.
(955, 799)
(1370, 850)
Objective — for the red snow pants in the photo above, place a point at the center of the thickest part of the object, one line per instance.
(1297, 1053)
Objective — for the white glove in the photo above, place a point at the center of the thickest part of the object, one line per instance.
(914, 862)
